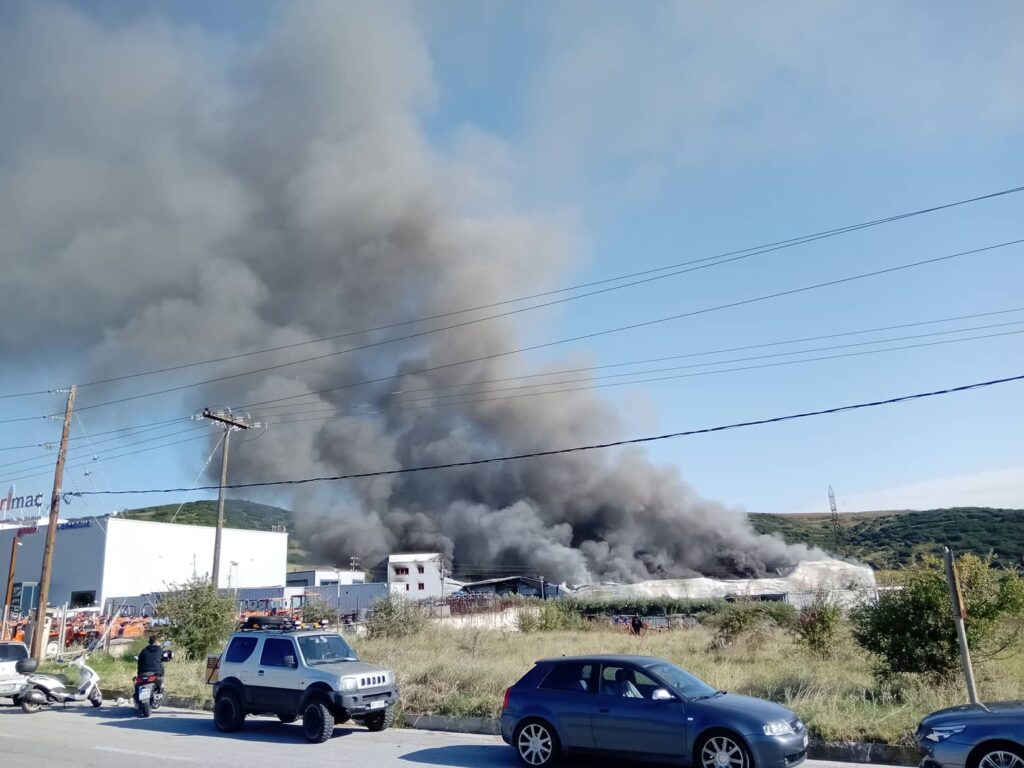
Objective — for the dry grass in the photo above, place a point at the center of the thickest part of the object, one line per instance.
(465, 672)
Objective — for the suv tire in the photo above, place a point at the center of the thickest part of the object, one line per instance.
(228, 714)
(317, 722)
(378, 721)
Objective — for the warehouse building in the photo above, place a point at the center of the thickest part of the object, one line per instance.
(100, 557)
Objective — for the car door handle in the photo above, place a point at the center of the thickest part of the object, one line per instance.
(603, 710)
(260, 672)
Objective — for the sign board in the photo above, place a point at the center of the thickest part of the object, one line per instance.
(31, 501)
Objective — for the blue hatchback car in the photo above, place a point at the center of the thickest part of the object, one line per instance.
(641, 707)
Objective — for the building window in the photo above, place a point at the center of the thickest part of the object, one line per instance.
(419, 568)
(401, 571)
(422, 586)
(406, 587)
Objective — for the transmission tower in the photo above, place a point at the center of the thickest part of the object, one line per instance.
(835, 520)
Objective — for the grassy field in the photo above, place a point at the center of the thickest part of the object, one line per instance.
(465, 672)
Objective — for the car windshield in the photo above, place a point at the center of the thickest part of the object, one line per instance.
(13, 652)
(681, 681)
(325, 649)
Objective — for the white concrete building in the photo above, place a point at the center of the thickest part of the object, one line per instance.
(417, 575)
(324, 577)
(100, 557)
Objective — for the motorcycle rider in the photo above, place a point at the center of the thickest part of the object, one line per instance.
(151, 662)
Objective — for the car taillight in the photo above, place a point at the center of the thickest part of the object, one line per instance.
(504, 703)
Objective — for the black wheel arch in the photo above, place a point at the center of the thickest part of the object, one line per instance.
(546, 723)
(974, 758)
(716, 730)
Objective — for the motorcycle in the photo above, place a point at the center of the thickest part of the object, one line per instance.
(46, 690)
(149, 690)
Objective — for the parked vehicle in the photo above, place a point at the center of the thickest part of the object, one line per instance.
(149, 689)
(974, 736)
(299, 672)
(45, 690)
(11, 681)
(641, 707)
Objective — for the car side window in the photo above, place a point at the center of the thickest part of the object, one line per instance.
(241, 648)
(274, 651)
(569, 676)
(624, 682)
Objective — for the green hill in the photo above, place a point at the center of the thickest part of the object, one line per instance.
(238, 513)
(896, 538)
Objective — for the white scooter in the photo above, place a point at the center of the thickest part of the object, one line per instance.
(46, 690)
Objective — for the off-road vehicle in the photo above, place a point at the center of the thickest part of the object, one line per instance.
(299, 672)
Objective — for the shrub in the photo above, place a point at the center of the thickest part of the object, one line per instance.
(817, 625)
(394, 616)
(315, 610)
(526, 620)
(200, 618)
(748, 619)
(911, 630)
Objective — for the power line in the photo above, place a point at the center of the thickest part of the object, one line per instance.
(707, 261)
(453, 404)
(581, 448)
(644, 324)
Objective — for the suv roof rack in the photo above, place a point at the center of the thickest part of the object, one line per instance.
(277, 624)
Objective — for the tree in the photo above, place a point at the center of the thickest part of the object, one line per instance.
(200, 618)
(911, 630)
(316, 609)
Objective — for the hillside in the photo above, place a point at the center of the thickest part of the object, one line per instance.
(238, 513)
(890, 539)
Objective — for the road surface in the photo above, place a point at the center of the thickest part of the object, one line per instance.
(112, 737)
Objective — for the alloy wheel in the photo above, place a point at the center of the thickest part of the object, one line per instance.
(535, 744)
(724, 752)
(1001, 759)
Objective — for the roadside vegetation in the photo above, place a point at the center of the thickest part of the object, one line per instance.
(846, 676)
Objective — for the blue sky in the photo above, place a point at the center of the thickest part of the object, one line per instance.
(661, 132)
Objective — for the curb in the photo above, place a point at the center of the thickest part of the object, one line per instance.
(845, 752)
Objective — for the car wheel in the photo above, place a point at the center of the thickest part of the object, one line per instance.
(1001, 756)
(287, 719)
(317, 723)
(537, 744)
(380, 721)
(721, 750)
(228, 714)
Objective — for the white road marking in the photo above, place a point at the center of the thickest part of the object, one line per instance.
(136, 753)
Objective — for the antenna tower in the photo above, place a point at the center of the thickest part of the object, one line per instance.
(835, 520)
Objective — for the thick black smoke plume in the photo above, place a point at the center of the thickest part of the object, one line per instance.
(167, 198)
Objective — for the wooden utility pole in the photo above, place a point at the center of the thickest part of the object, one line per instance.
(230, 425)
(38, 634)
(15, 543)
(959, 614)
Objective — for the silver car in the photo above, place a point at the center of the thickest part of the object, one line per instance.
(641, 707)
(11, 681)
(973, 736)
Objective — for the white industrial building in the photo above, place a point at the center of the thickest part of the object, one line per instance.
(417, 575)
(100, 557)
(845, 583)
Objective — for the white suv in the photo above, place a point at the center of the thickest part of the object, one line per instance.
(11, 682)
(314, 674)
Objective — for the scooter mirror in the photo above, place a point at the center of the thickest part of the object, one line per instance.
(166, 656)
(26, 666)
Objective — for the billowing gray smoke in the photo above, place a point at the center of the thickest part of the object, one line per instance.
(169, 198)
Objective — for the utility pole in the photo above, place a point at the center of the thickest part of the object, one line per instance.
(15, 543)
(959, 614)
(230, 425)
(39, 633)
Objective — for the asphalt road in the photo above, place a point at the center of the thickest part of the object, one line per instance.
(110, 737)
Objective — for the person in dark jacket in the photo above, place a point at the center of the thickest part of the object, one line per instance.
(151, 660)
